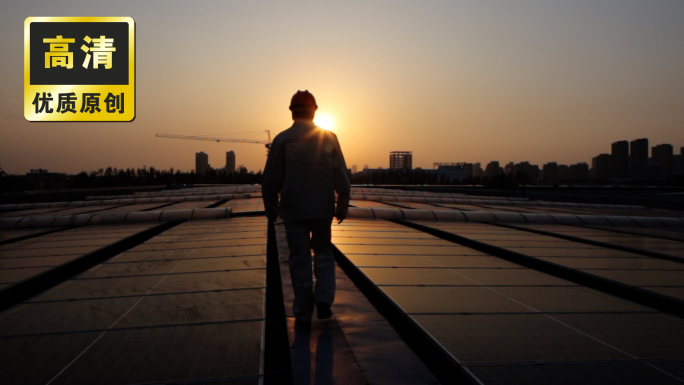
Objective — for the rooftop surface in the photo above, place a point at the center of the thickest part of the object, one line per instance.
(192, 286)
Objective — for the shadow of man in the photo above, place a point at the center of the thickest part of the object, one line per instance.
(301, 357)
(324, 360)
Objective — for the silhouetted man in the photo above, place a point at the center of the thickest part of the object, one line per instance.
(306, 166)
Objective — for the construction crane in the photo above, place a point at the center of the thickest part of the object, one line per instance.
(267, 144)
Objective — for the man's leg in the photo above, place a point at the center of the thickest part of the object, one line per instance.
(324, 261)
(298, 240)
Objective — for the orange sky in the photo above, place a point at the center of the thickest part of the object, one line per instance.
(451, 81)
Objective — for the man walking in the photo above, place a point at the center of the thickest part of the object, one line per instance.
(306, 166)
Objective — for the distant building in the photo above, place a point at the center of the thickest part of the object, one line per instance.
(449, 169)
(435, 165)
(638, 159)
(230, 161)
(365, 167)
(678, 163)
(371, 171)
(468, 167)
(493, 169)
(601, 166)
(401, 160)
(201, 163)
(620, 160)
(551, 172)
(532, 170)
(661, 155)
(452, 173)
(574, 173)
(564, 173)
(579, 172)
(354, 169)
(477, 170)
(509, 168)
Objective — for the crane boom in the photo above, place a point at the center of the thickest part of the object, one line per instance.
(215, 139)
(210, 138)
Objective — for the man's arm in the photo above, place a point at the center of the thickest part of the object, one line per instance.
(274, 174)
(342, 185)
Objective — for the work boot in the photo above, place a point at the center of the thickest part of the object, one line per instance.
(323, 310)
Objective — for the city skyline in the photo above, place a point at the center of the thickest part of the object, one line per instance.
(629, 160)
(451, 81)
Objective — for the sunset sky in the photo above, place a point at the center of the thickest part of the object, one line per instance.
(452, 81)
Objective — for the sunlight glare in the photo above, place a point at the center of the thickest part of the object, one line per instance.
(325, 121)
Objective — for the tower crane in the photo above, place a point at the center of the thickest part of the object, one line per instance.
(267, 144)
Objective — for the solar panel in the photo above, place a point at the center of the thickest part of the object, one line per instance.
(515, 338)
(644, 336)
(196, 317)
(585, 373)
(467, 299)
(170, 354)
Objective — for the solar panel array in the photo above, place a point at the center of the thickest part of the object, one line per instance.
(509, 324)
(25, 259)
(663, 276)
(188, 304)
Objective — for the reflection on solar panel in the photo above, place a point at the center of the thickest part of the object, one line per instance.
(634, 241)
(420, 206)
(629, 268)
(25, 259)
(61, 211)
(676, 234)
(370, 204)
(245, 205)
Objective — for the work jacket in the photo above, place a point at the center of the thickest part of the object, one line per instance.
(306, 166)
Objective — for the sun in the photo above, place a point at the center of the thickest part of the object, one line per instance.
(325, 121)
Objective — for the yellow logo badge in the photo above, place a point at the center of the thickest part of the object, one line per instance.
(79, 69)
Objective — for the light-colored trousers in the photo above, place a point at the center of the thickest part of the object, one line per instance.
(302, 236)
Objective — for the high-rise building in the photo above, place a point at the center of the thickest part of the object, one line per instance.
(551, 172)
(620, 158)
(477, 170)
(532, 170)
(230, 161)
(401, 160)
(678, 163)
(354, 169)
(601, 166)
(450, 174)
(564, 173)
(638, 159)
(509, 168)
(662, 155)
(579, 172)
(493, 169)
(201, 163)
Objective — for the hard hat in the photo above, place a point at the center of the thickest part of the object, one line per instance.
(303, 100)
